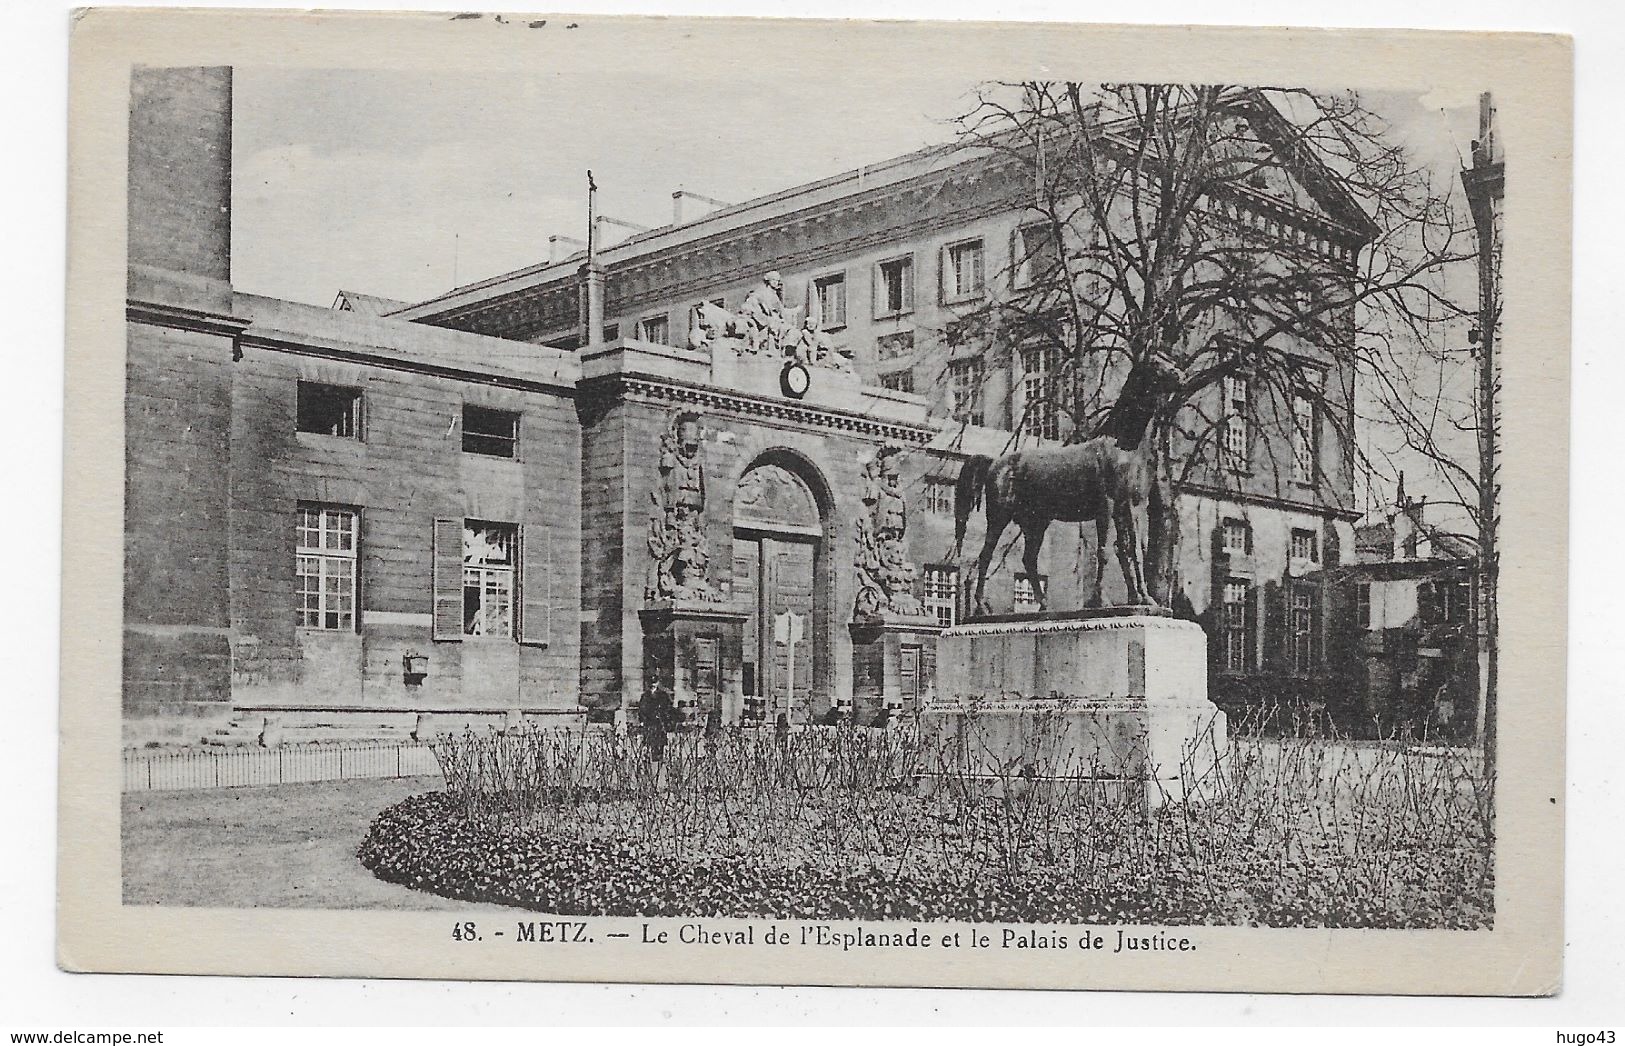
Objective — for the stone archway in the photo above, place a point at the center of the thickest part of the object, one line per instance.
(780, 573)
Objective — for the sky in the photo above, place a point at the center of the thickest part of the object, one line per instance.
(405, 183)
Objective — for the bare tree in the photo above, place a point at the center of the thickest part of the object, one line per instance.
(1255, 233)
(1279, 243)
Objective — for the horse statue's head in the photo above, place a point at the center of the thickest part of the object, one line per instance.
(1149, 390)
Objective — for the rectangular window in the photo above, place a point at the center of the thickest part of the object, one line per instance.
(1026, 601)
(942, 592)
(325, 582)
(894, 346)
(939, 496)
(490, 432)
(1238, 537)
(894, 287)
(1037, 259)
(965, 380)
(331, 410)
(1237, 641)
(963, 270)
(1235, 424)
(830, 294)
(1303, 439)
(898, 381)
(1454, 601)
(1040, 388)
(656, 329)
(1305, 545)
(612, 331)
(1362, 605)
(1304, 622)
(488, 577)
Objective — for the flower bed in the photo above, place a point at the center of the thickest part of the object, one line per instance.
(1277, 849)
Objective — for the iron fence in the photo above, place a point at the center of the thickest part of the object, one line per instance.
(155, 771)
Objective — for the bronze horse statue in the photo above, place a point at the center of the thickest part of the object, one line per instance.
(1104, 479)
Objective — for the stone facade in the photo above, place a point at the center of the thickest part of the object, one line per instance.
(488, 481)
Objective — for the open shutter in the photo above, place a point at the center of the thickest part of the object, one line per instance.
(1427, 606)
(535, 584)
(448, 580)
(1273, 604)
(1249, 617)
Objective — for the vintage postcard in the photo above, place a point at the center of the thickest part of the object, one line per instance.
(590, 498)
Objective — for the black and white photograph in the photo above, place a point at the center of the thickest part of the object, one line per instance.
(812, 504)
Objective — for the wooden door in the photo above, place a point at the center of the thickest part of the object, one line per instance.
(747, 589)
(788, 569)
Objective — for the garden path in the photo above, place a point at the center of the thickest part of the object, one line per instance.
(287, 846)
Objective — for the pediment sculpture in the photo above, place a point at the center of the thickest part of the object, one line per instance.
(765, 326)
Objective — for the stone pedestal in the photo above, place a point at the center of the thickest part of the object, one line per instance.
(696, 649)
(894, 666)
(1116, 697)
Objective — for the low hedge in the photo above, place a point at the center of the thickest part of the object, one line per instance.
(427, 844)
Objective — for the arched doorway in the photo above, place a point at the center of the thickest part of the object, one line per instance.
(778, 560)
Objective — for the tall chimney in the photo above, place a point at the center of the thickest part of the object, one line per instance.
(561, 247)
(682, 208)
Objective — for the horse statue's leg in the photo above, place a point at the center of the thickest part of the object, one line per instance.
(1032, 541)
(997, 520)
(1103, 524)
(1128, 552)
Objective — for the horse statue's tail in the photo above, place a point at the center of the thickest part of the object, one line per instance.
(968, 494)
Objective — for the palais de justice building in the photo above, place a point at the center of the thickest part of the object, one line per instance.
(553, 489)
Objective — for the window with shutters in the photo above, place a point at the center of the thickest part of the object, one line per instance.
(964, 273)
(494, 433)
(1238, 641)
(1040, 389)
(1238, 537)
(1303, 622)
(489, 557)
(895, 345)
(1303, 439)
(329, 410)
(1037, 259)
(894, 287)
(656, 329)
(325, 537)
(829, 298)
(898, 381)
(965, 380)
(942, 592)
(1235, 436)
